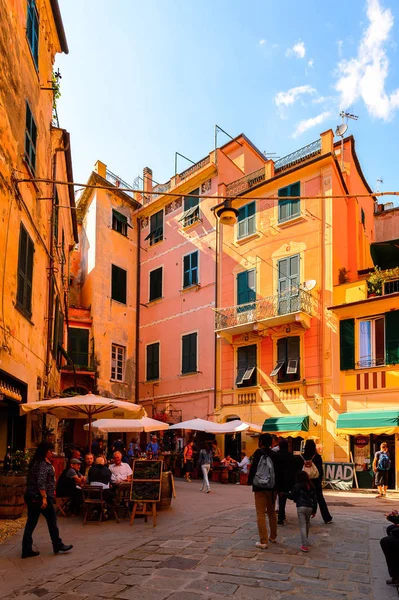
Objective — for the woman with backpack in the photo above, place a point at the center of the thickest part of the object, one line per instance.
(381, 466)
(205, 465)
(304, 495)
(264, 478)
(313, 466)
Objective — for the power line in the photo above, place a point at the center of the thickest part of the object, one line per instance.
(214, 197)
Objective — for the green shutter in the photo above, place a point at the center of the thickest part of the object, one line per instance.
(347, 344)
(78, 346)
(295, 190)
(156, 284)
(153, 361)
(118, 291)
(392, 337)
(56, 326)
(246, 287)
(189, 359)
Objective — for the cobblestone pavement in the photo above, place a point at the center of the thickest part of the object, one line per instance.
(204, 549)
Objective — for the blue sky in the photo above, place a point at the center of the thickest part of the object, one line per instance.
(143, 80)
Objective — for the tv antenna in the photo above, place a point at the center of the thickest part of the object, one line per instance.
(342, 129)
(380, 181)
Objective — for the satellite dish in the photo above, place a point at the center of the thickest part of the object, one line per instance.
(341, 129)
(309, 284)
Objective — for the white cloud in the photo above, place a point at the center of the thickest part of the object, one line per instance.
(262, 42)
(365, 76)
(290, 96)
(322, 99)
(298, 50)
(339, 46)
(309, 123)
(311, 63)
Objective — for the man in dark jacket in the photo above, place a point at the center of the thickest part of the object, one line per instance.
(289, 466)
(265, 499)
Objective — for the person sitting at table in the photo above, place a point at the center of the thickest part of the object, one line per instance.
(87, 464)
(68, 486)
(229, 462)
(153, 446)
(101, 475)
(244, 463)
(217, 454)
(120, 471)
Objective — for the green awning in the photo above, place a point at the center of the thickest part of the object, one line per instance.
(385, 254)
(292, 425)
(369, 421)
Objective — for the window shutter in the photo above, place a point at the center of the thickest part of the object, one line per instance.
(246, 287)
(153, 361)
(156, 284)
(187, 271)
(295, 190)
(283, 204)
(118, 291)
(29, 275)
(293, 348)
(194, 267)
(60, 338)
(283, 270)
(55, 326)
(189, 362)
(294, 271)
(281, 349)
(347, 344)
(78, 346)
(392, 337)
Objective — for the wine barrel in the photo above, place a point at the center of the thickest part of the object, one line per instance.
(166, 491)
(12, 490)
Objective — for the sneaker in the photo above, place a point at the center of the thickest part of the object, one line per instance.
(238, 483)
(273, 540)
(207, 491)
(304, 548)
(328, 522)
(260, 545)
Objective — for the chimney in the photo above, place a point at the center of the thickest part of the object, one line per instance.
(147, 177)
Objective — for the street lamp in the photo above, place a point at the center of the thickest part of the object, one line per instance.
(226, 214)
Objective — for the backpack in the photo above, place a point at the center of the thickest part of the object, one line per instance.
(384, 462)
(265, 477)
(310, 468)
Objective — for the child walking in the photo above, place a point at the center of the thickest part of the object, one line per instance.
(304, 496)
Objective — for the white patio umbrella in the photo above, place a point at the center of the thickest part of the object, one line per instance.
(237, 426)
(86, 407)
(127, 425)
(196, 425)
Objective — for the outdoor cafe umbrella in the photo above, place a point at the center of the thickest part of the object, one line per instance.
(236, 426)
(127, 425)
(86, 407)
(196, 425)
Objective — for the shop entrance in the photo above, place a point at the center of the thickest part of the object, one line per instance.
(363, 448)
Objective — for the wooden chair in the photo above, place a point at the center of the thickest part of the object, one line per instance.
(93, 501)
(62, 504)
(122, 500)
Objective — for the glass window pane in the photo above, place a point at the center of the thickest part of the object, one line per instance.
(365, 356)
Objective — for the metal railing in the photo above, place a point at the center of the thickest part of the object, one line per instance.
(118, 182)
(285, 303)
(245, 183)
(160, 188)
(202, 163)
(298, 156)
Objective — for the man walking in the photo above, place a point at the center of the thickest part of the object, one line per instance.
(381, 466)
(264, 476)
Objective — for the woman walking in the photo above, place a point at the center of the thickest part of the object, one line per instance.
(304, 496)
(188, 460)
(310, 454)
(205, 464)
(39, 499)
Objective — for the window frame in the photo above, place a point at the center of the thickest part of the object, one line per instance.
(25, 274)
(246, 376)
(30, 139)
(71, 352)
(118, 217)
(372, 362)
(194, 216)
(32, 32)
(190, 270)
(158, 344)
(245, 220)
(289, 203)
(112, 285)
(115, 368)
(149, 284)
(185, 335)
(155, 229)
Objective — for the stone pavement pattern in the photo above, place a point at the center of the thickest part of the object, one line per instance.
(207, 558)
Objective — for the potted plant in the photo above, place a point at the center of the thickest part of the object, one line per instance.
(343, 275)
(375, 281)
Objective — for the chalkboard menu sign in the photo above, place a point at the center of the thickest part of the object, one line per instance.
(146, 481)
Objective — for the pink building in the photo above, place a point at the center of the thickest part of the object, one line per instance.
(177, 291)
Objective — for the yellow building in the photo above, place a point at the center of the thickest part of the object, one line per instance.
(38, 220)
(298, 224)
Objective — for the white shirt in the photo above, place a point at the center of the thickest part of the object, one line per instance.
(120, 472)
(244, 464)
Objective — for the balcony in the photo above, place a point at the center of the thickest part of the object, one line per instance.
(291, 306)
(119, 183)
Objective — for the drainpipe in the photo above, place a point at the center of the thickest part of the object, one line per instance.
(50, 306)
(138, 278)
(216, 306)
(322, 318)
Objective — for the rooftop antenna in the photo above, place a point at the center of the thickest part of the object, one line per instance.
(379, 181)
(342, 129)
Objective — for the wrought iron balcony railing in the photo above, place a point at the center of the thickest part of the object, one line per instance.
(202, 163)
(288, 302)
(118, 182)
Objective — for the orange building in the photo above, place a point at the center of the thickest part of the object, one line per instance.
(294, 239)
(38, 220)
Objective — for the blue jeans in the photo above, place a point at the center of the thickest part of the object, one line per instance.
(34, 512)
(205, 470)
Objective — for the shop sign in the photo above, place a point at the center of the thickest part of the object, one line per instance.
(339, 472)
(361, 441)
